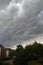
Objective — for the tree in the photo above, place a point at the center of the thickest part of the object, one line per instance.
(20, 56)
(29, 54)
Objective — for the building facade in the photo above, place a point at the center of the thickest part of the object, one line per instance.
(6, 52)
(2, 52)
(9, 53)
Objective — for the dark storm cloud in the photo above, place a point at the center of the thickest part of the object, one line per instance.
(17, 1)
(21, 20)
(4, 3)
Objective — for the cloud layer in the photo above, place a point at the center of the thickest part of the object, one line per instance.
(20, 20)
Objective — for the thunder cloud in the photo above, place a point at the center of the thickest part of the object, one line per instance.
(20, 20)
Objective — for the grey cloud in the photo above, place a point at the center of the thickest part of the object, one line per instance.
(21, 23)
(4, 3)
(17, 1)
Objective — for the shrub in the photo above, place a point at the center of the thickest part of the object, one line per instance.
(33, 63)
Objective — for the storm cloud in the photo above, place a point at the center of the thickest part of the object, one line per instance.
(20, 20)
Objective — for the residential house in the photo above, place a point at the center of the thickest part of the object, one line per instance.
(9, 53)
(2, 52)
(6, 52)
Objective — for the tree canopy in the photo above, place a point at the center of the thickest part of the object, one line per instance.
(29, 54)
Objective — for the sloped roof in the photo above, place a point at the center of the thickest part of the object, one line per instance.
(8, 49)
(1, 46)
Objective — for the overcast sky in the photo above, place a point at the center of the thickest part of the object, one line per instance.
(20, 21)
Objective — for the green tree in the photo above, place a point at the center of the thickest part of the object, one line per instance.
(20, 56)
(28, 54)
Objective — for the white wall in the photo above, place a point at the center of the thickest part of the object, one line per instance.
(7, 53)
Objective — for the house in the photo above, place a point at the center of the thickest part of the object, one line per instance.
(9, 53)
(2, 52)
(6, 52)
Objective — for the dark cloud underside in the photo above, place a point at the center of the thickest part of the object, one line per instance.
(20, 20)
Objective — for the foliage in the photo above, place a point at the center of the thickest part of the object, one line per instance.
(33, 63)
(29, 54)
